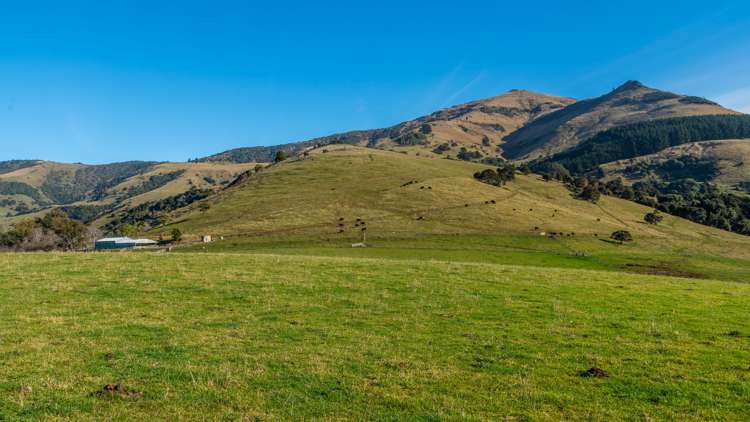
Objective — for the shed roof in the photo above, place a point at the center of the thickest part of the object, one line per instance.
(127, 240)
(116, 239)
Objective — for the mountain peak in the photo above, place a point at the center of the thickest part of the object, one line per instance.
(630, 86)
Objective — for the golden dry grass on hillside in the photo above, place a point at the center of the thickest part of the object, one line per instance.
(398, 195)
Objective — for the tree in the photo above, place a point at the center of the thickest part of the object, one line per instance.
(622, 236)
(503, 174)
(590, 193)
(507, 172)
(52, 231)
(426, 128)
(281, 155)
(72, 234)
(653, 217)
(176, 234)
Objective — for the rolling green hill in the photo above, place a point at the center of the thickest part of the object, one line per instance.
(327, 198)
(631, 121)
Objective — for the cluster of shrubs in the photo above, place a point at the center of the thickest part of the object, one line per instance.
(85, 213)
(53, 231)
(90, 182)
(153, 182)
(494, 126)
(411, 138)
(20, 188)
(653, 218)
(498, 177)
(700, 202)
(505, 111)
(493, 161)
(280, 156)
(442, 148)
(152, 214)
(466, 155)
(7, 202)
(700, 169)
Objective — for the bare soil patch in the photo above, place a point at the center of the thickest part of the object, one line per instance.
(116, 390)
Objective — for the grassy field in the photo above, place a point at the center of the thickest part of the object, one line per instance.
(643, 256)
(462, 307)
(217, 336)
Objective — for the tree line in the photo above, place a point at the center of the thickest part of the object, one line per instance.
(53, 231)
(700, 202)
(644, 138)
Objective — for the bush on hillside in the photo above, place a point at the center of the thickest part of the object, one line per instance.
(176, 234)
(52, 231)
(411, 138)
(441, 148)
(622, 236)
(496, 177)
(590, 193)
(653, 217)
(280, 156)
(466, 155)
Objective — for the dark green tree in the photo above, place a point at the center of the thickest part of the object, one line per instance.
(622, 236)
(281, 155)
(590, 193)
(654, 217)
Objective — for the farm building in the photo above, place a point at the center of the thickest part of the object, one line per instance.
(122, 243)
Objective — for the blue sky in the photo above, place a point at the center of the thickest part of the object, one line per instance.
(96, 82)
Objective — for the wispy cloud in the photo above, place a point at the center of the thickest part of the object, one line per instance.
(451, 98)
(443, 86)
(451, 87)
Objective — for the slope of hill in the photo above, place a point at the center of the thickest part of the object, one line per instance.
(726, 162)
(479, 127)
(13, 165)
(88, 192)
(643, 138)
(518, 125)
(630, 103)
(332, 196)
